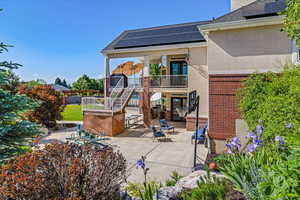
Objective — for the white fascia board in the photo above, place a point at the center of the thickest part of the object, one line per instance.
(241, 24)
(156, 48)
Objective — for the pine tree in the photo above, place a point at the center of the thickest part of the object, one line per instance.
(57, 81)
(15, 133)
(64, 83)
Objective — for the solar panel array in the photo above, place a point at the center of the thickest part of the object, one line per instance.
(264, 8)
(160, 36)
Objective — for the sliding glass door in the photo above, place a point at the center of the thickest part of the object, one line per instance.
(178, 72)
(178, 104)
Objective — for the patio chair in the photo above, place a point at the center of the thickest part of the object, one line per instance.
(164, 125)
(75, 135)
(157, 134)
(71, 138)
(79, 130)
(201, 136)
(88, 136)
(100, 135)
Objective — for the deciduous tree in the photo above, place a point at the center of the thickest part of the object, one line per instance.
(50, 104)
(87, 83)
(291, 23)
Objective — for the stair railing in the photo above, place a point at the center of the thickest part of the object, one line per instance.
(121, 101)
(115, 92)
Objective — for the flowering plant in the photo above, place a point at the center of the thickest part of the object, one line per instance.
(141, 163)
(250, 167)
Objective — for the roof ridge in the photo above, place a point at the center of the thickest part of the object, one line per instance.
(169, 26)
(239, 9)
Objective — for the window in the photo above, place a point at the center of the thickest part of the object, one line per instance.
(296, 54)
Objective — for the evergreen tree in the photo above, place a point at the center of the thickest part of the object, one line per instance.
(15, 133)
(13, 82)
(58, 81)
(64, 83)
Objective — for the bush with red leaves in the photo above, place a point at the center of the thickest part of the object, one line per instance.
(51, 104)
(64, 171)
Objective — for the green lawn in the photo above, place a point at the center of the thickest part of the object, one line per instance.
(72, 113)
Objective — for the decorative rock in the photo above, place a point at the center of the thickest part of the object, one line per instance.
(190, 181)
(167, 193)
(172, 193)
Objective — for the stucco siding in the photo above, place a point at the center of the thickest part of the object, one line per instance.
(236, 4)
(248, 50)
(198, 77)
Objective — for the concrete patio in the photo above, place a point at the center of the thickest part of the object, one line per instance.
(162, 157)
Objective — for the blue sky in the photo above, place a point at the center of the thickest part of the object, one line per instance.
(63, 38)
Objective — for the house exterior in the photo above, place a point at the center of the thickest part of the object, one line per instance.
(212, 57)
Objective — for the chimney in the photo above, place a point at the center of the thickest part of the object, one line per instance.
(236, 4)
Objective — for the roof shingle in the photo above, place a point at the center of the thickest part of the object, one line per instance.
(257, 9)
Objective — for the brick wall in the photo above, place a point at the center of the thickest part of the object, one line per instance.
(223, 105)
(191, 123)
(97, 122)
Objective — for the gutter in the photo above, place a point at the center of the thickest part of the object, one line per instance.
(155, 48)
(205, 29)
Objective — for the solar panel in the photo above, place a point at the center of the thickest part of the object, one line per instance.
(264, 8)
(160, 36)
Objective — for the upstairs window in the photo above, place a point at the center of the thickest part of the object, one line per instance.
(296, 54)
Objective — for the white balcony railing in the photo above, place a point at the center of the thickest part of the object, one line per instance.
(93, 103)
(169, 81)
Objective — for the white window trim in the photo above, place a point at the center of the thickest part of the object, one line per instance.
(296, 54)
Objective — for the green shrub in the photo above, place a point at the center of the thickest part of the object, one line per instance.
(174, 178)
(64, 171)
(209, 187)
(282, 179)
(138, 189)
(243, 171)
(273, 101)
(270, 104)
(148, 192)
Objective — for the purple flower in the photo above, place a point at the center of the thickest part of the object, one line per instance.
(141, 164)
(289, 125)
(233, 145)
(251, 135)
(251, 148)
(235, 142)
(228, 146)
(259, 129)
(280, 140)
(257, 141)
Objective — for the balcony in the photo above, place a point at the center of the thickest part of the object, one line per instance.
(169, 81)
(156, 82)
